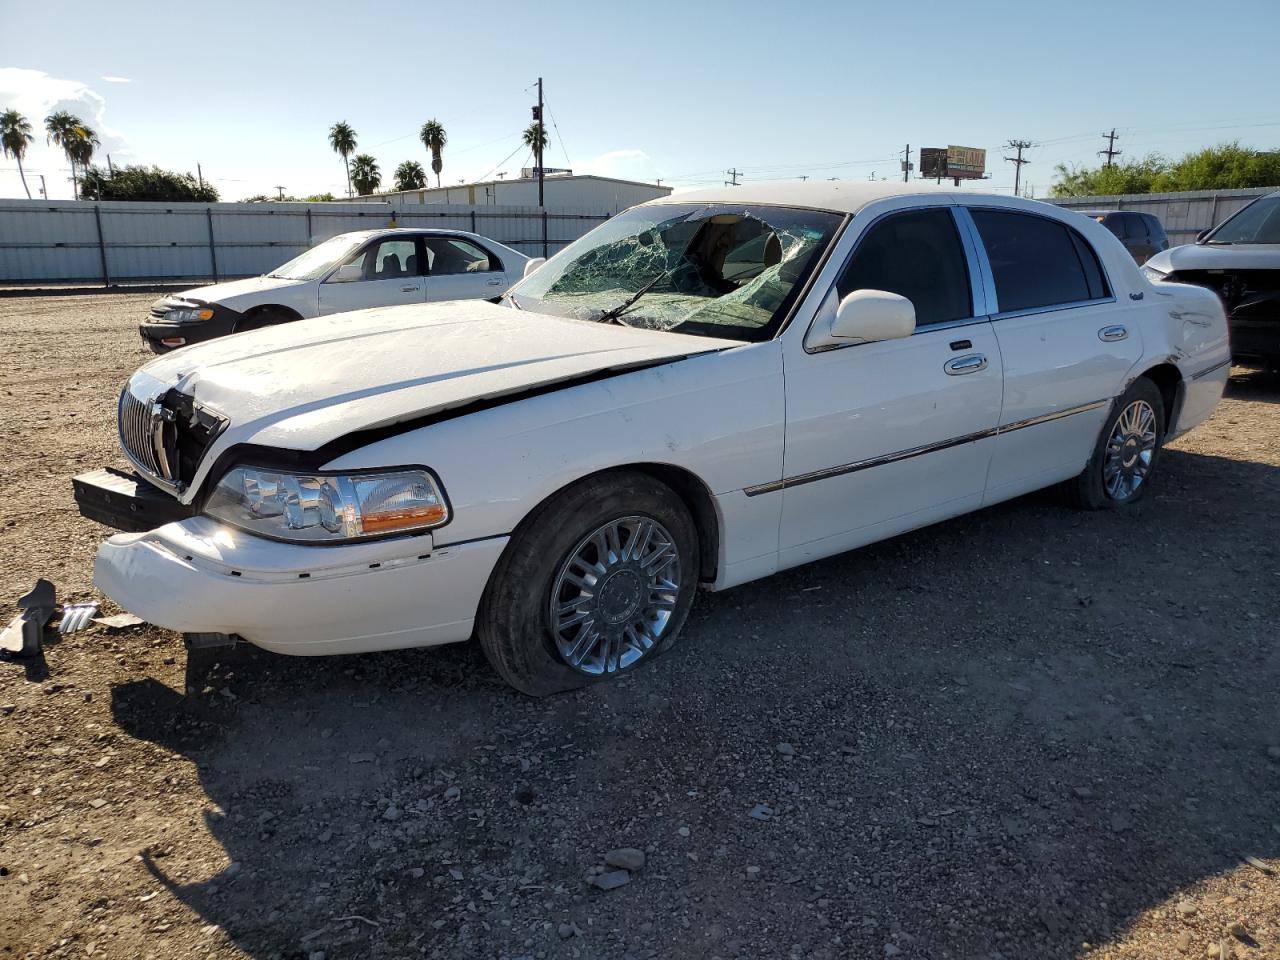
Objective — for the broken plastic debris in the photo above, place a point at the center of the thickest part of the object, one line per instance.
(21, 638)
(121, 621)
(76, 616)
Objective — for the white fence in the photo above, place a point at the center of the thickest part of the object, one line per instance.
(1183, 214)
(66, 241)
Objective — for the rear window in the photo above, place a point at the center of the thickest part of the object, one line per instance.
(1037, 262)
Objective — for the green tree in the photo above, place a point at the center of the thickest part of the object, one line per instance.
(410, 176)
(83, 143)
(434, 138)
(68, 131)
(535, 138)
(146, 183)
(343, 140)
(365, 175)
(1228, 166)
(15, 137)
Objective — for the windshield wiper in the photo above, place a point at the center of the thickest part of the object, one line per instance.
(614, 315)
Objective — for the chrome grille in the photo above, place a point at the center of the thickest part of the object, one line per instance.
(135, 433)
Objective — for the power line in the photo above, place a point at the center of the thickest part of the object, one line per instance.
(555, 126)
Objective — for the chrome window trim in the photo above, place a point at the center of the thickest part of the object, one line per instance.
(827, 473)
(977, 294)
(979, 264)
(1052, 308)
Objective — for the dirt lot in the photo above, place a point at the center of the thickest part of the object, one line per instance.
(1027, 733)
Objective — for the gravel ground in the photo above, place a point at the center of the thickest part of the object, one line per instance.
(1026, 733)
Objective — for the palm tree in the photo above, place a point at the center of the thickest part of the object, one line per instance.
(343, 140)
(15, 137)
(83, 143)
(65, 129)
(434, 138)
(535, 138)
(410, 176)
(365, 174)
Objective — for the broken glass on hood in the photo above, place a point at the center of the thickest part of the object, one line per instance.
(720, 270)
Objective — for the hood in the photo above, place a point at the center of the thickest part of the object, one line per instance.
(230, 293)
(1218, 256)
(298, 386)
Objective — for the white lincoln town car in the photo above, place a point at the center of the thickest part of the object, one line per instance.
(702, 391)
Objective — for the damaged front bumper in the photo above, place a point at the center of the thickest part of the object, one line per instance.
(197, 576)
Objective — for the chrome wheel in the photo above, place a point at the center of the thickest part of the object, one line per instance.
(1130, 450)
(613, 596)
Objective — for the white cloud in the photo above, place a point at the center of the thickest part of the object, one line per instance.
(628, 164)
(117, 80)
(35, 94)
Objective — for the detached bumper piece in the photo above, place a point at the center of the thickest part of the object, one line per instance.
(21, 638)
(125, 501)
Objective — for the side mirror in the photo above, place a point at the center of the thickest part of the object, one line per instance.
(534, 264)
(347, 273)
(866, 316)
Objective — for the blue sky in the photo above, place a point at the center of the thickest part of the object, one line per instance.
(681, 91)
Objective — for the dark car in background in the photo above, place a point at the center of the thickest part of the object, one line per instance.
(1141, 233)
(1239, 260)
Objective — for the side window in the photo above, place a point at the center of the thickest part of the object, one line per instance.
(1037, 262)
(917, 255)
(387, 260)
(1137, 226)
(1115, 223)
(447, 255)
(1154, 227)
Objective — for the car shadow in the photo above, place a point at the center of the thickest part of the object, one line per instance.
(1258, 384)
(1008, 735)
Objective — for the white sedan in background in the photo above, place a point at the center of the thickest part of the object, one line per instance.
(352, 271)
(704, 390)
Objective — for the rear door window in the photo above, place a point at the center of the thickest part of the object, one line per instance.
(1137, 226)
(916, 255)
(446, 255)
(1037, 262)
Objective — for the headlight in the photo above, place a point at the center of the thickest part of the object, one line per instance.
(327, 508)
(1152, 274)
(187, 314)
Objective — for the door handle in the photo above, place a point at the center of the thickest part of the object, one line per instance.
(411, 289)
(1110, 334)
(970, 364)
(495, 283)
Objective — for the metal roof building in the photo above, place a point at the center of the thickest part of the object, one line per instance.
(562, 191)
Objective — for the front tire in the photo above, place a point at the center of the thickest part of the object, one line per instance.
(1126, 454)
(595, 583)
(265, 317)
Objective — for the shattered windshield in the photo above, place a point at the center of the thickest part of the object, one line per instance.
(317, 261)
(716, 270)
(1259, 222)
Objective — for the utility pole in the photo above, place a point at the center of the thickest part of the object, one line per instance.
(110, 169)
(44, 190)
(200, 176)
(281, 191)
(1018, 161)
(733, 175)
(542, 130)
(906, 164)
(1111, 152)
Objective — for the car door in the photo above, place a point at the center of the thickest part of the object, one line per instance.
(1066, 343)
(882, 437)
(459, 269)
(383, 273)
(1139, 242)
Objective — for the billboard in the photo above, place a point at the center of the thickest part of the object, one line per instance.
(953, 163)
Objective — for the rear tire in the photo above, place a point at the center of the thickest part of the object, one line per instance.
(1126, 453)
(616, 554)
